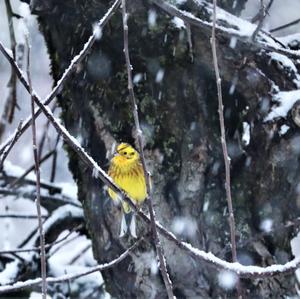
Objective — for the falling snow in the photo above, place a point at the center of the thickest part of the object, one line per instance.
(152, 15)
(266, 225)
(275, 105)
(246, 133)
(227, 280)
(184, 226)
(159, 76)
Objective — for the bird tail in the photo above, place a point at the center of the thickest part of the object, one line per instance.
(128, 225)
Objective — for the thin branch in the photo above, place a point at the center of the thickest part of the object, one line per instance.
(243, 271)
(21, 216)
(257, 17)
(263, 12)
(5, 150)
(53, 167)
(60, 246)
(80, 254)
(8, 144)
(285, 25)
(50, 202)
(38, 179)
(54, 161)
(263, 43)
(12, 98)
(28, 238)
(45, 130)
(20, 179)
(10, 179)
(159, 249)
(61, 241)
(224, 145)
(223, 138)
(252, 272)
(33, 282)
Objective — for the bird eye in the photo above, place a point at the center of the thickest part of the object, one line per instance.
(131, 154)
(125, 153)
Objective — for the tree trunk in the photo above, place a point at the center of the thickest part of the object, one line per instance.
(178, 110)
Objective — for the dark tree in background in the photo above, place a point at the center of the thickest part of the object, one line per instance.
(178, 108)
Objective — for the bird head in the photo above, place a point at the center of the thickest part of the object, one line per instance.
(127, 151)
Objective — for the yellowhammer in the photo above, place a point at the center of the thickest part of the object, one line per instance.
(127, 172)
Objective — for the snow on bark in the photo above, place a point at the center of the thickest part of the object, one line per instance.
(285, 100)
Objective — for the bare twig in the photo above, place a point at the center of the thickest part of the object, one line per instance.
(241, 270)
(20, 179)
(8, 144)
(38, 179)
(11, 101)
(80, 254)
(285, 25)
(44, 136)
(33, 282)
(53, 167)
(50, 202)
(28, 238)
(159, 249)
(61, 241)
(224, 145)
(263, 12)
(4, 153)
(10, 179)
(21, 216)
(60, 246)
(223, 138)
(54, 161)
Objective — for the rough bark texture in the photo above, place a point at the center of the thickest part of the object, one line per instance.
(180, 122)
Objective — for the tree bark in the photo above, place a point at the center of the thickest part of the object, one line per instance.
(179, 119)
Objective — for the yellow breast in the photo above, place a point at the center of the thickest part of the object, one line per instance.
(129, 176)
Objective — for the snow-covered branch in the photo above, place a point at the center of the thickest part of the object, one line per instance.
(285, 92)
(8, 144)
(14, 183)
(49, 202)
(62, 219)
(65, 217)
(245, 271)
(33, 282)
(20, 179)
(227, 25)
(4, 151)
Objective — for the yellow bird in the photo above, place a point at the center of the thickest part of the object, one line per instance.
(127, 172)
